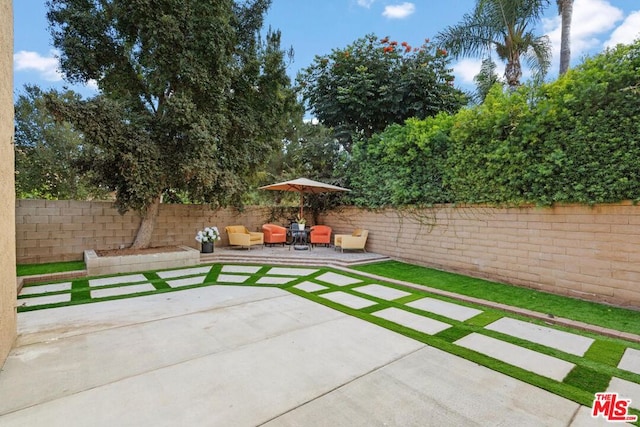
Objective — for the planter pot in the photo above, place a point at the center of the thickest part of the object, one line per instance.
(207, 247)
(300, 226)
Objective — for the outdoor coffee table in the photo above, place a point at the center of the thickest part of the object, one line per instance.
(300, 240)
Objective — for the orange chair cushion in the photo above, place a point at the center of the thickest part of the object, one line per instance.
(274, 233)
(320, 234)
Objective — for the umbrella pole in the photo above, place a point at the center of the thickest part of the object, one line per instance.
(301, 203)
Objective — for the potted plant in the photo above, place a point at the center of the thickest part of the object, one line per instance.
(207, 237)
(301, 222)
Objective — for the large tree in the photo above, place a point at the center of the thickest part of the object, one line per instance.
(361, 89)
(565, 9)
(503, 27)
(190, 97)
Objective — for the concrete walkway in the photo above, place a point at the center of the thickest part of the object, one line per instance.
(244, 356)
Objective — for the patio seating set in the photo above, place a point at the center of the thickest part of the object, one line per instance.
(295, 237)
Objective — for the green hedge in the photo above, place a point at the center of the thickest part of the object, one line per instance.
(574, 140)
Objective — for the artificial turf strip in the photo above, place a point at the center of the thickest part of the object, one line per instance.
(213, 273)
(605, 352)
(587, 379)
(620, 319)
(485, 318)
(156, 281)
(80, 291)
(50, 267)
(453, 333)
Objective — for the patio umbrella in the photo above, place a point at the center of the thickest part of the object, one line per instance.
(304, 185)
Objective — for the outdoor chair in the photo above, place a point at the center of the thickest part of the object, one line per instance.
(274, 234)
(320, 235)
(240, 236)
(356, 240)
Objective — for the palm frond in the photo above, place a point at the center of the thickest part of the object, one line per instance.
(538, 55)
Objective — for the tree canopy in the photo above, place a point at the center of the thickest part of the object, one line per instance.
(191, 97)
(361, 89)
(47, 150)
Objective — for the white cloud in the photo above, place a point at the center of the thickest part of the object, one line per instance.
(46, 66)
(591, 19)
(466, 69)
(627, 32)
(399, 11)
(92, 84)
(365, 3)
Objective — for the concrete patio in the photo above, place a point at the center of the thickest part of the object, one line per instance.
(244, 356)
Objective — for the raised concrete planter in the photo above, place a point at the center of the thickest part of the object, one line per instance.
(97, 265)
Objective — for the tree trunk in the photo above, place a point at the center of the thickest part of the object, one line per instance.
(513, 72)
(566, 11)
(148, 223)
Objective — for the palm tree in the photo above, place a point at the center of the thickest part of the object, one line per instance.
(565, 9)
(485, 79)
(502, 26)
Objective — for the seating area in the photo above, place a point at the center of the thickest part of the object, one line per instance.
(273, 234)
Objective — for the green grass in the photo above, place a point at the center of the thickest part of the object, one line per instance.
(50, 267)
(620, 319)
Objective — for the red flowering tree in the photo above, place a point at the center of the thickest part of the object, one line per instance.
(361, 89)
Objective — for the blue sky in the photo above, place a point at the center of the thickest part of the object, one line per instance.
(316, 27)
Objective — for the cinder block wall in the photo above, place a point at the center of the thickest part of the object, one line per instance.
(61, 230)
(589, 252)
(7, 191)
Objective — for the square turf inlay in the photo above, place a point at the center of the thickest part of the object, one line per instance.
(348, 300)
(231, 278)
(46, 299)
(382, 292)
(626, 390)
(131, 278)
(240, 269)
(630, 361)
(197, 280)
(411, 320)
(274, 280)
(564, 341)
(42, 289)
(443, 308)
(183, 272)
(309, 287)
(287, 271)
(550, 367)
(122, 290)
(337, 279)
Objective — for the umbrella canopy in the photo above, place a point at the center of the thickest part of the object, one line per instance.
(304, 185)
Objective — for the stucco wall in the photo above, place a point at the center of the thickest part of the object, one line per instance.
(589, 252)
(7, 195)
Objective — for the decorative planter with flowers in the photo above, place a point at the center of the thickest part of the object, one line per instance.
(207, 237)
